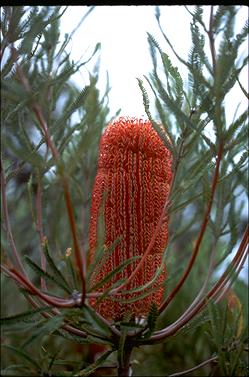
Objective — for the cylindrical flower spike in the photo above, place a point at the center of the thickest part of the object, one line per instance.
(132, 183)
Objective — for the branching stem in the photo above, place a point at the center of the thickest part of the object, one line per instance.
(200, 236)
(42, 123)
(235, 265)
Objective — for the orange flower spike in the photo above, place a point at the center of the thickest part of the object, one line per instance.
(134, 170)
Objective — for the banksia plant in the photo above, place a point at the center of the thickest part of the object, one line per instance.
(132, 188)
(163, 212)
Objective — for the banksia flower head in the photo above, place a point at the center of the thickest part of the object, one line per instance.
(132, 182)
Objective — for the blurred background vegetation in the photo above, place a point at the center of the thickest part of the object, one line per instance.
(76, 119)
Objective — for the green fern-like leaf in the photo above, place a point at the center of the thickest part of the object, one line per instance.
(24, 356)
(45, 275)
(11, 320)
(152, 317)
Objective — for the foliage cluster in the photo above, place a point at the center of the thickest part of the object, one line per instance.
(48, 174)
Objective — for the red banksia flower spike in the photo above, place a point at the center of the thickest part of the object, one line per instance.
(134, 174)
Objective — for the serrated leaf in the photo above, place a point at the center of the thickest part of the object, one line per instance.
(136, 297)
(24, 356)
(45, 275)
(59, 277)
(147, 285)
(169, 69)
(152, 317)
(215, 321)
(92, 319)
(79, 101)
(23, 316)
(115, 271)
(47, 327)
(157, 128)
(101, 256)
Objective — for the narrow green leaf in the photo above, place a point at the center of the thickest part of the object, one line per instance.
(114, 272)
(23, 316)
(79, 101)
(147, 285)
(215, 322)
(47, 327)
(24, 356)
(90, 316)
(101, 256)
(152, 317)
(56, 272)
(157, 128)
(45, 274)
(137, 297)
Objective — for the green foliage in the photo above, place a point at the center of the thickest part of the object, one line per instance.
(44, 275)
(194, 149)
(101, 256)
(22, 317)
(197, 127)
(91, 368)
(24, 356)
(151, 320)
(227, 333)
(57, 275)
(116, 270)
(75, 118)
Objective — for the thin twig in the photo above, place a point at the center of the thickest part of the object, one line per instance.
(25, 283)
(200, 236)
(236, 265)
(214, 358)
(75, 239)
(10, 237)
(242, 88)
(199, 20)
(171, 46)
(205, 284)
(226, 285)
(42, 123)
(237, 258)
(68, 203)
(39, 227)
(82, 20)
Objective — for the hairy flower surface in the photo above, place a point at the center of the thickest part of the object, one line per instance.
(132, 184)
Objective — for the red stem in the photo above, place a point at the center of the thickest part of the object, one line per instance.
(233, 264)
(75, 240)
(39, 228)
(55, 153)
(172, 329)
(51, 300)
(200, 236)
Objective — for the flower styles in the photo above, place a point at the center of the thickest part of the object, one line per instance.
(132, 182)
